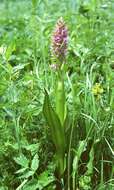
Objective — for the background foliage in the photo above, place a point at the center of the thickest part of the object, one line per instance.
(26, 149)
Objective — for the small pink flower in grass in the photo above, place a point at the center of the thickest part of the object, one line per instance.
(59, 41)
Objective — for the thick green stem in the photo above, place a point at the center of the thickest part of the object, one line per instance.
(60, 98)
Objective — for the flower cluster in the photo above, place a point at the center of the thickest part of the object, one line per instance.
(97, 90)
(59, 41)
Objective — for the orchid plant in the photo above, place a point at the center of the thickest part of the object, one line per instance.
(56, 118)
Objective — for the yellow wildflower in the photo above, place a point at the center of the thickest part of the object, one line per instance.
(97, 89)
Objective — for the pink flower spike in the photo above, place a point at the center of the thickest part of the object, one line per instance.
(59, 41)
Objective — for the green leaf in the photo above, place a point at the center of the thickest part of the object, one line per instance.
(57, 130)
(9, 51)
(22, 160)
(27, 174)
(35, 163)
(77, 156)
(31, 185)
(44, 179)
(22, 170)
(33, 148)
(90, 163)
(81, 149)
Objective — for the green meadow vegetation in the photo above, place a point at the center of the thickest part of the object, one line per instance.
(56, 113)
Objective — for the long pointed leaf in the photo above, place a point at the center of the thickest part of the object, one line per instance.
(57, 130)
